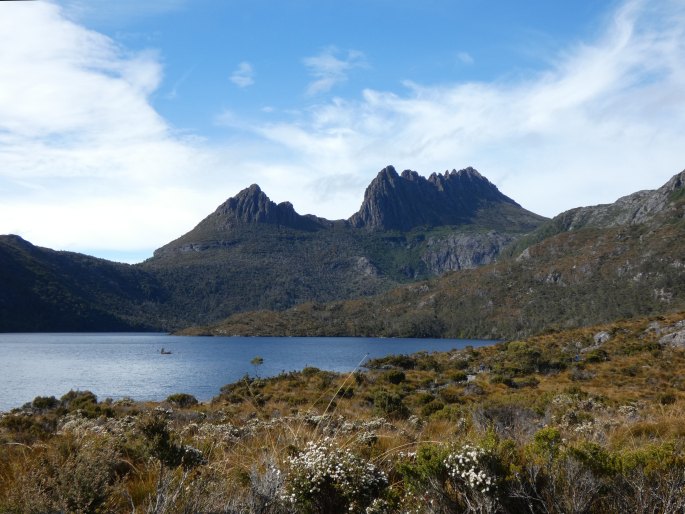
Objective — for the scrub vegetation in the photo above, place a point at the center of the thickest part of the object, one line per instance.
(586, 420)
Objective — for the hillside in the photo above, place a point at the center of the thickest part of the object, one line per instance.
(45, 290)
(585, 266)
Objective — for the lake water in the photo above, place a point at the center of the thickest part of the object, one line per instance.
(130, 365)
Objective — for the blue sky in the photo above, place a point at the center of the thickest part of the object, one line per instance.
(123, 124)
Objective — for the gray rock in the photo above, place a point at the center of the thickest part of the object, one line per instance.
(674, 340)
(463, 251)
(601, 337)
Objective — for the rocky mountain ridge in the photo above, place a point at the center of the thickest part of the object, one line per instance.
(251, 253)
(587, 265)
(632, 209)
(406, 201)
(337, 278)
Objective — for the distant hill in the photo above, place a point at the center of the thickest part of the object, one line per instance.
(585, 266)
(45, 290)
(251, 253)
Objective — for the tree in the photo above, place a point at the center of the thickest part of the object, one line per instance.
(256, 362)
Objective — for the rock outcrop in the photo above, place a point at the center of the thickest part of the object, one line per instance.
(402, 202)
(633, 209)
(463, 251)
(251, 205)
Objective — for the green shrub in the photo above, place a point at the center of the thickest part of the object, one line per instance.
(597, 355)
(74, 400)
(26, 429)
(667, 399)
(451, 395)
(182, 400)
(45, 402)
(394, 376)
(161, 444)
(390, 405)
(432, 407)
(310, 371)
(458, 376)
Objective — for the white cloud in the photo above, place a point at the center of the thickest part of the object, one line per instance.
(465, 58)
(329, 70)
(243, 75)
(606, 120)
(78, 137)
(86, 163)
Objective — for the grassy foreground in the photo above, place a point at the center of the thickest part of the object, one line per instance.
(586, 420)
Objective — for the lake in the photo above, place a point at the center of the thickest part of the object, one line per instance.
(130, 364)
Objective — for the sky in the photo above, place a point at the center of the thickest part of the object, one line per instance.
(123, 124)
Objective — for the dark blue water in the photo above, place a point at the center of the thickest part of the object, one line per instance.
(130, 365)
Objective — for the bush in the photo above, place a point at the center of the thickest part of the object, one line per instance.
(45, 402)
(395, 376)
(390, 405)
(432, 407)
(458, 376)
(328, 480)
(161, 444)
(78, 399)
(87, 402)
(667, 399)
(310, 371)
(182, 400)
(451, 395)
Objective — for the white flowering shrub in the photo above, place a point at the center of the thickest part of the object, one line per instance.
(467, 467)
(327, 479)
(470, 479)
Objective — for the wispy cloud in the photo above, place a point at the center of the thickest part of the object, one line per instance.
(243, 75)
(173, 93)
(80, 139)
(607, 119)
(331, 67)
(109, 11)
(78, 135)
(464, 57)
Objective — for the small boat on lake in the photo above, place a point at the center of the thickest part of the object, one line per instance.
(164, 352)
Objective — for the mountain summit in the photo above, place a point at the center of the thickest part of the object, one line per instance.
(406, 201)
(251, 205)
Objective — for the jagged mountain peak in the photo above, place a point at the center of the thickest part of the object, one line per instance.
(252, 205)
(401, 202)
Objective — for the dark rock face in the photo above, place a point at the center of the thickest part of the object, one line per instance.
(402, 202)
(251, 205)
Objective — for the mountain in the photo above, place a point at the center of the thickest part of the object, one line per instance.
(254, 254)
(585, 266)
(403, 202)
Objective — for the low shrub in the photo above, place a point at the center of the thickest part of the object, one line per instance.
(394, 376)
(182, 400)
(323, 479)
(389, 404)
